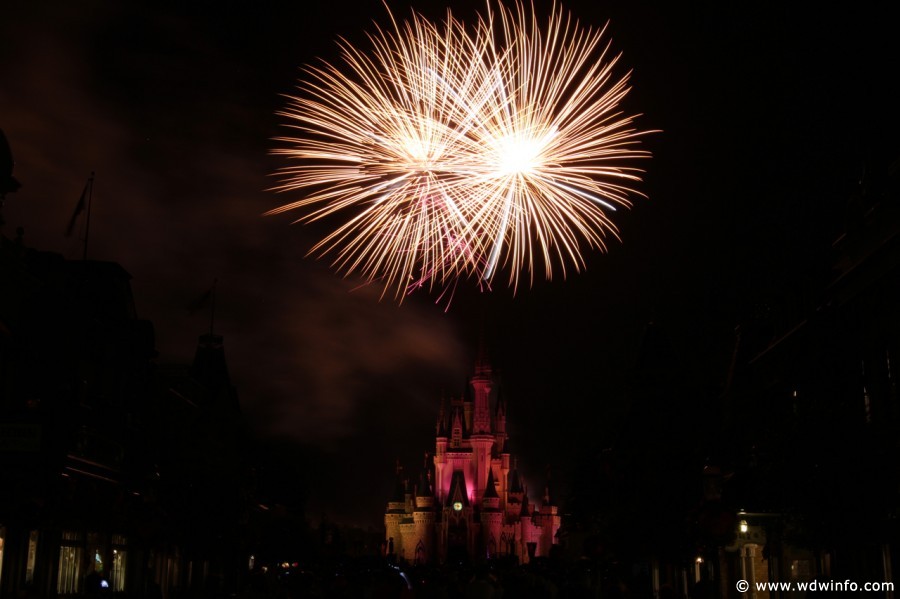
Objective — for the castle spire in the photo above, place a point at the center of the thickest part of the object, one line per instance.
(482, 364)
(500, 409)
(525, 512)
(515, 484)
(441, 428)
(481, 385)
(457, 422)
(399, 485)
(423, 489)
(490, 490)
(442, 410)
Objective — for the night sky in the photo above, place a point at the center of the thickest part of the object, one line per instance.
(770, 118)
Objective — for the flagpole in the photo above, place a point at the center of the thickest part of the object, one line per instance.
(87, 226)
(212, 308)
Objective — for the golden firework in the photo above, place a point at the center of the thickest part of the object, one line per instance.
(457, 151)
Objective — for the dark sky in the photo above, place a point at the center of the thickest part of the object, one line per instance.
(769, 118)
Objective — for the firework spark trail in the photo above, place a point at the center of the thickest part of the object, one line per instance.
(382, 142)
(460, 151)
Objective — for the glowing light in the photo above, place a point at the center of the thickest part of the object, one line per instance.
(456, 151)
(521, 154)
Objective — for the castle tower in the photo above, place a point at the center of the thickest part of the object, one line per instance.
(491, 519)
(515, 494)
(423, 520)
(396, 510)
(550, 522)
(481, 385)
(482, 437)
(526, 544)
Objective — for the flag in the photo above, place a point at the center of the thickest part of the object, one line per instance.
(202, 301)
(8, 183)
(78, 209)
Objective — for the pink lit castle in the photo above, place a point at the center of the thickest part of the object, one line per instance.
(473, 503)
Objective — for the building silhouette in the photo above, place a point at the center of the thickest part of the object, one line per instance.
(115, 470)
(814, 412)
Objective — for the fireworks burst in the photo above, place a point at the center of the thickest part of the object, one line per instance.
(460, 151)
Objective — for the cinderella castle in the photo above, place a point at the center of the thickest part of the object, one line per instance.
(472, 504)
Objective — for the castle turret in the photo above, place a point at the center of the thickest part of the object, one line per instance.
(491, 499)
(515, 493)
(396, 510)
(491, 518)
(482, 438)
(549, 522)
(408, 495)
(528, 535)
(525, 510)
(424, 493)
(423, 520)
